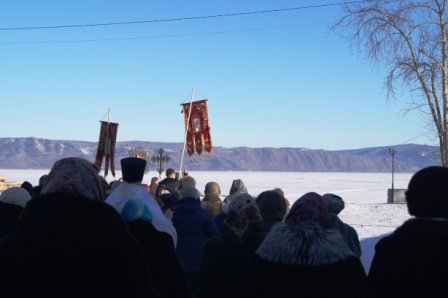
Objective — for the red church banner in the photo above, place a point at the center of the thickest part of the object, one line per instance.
(197, 126)
(106, 146)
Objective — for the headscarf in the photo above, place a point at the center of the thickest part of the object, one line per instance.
(75, 176)
(242, 218)
(309, 212)
(133, 209)
(15, 195)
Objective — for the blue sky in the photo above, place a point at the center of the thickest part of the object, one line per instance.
(277, 79)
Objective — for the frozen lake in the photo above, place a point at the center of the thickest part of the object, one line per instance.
(352, 187)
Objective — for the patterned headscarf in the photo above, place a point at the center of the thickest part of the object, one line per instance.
(242, 218)
(309, 212)
(75, 176)
(133, 209)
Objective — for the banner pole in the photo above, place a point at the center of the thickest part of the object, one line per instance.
(186, 131)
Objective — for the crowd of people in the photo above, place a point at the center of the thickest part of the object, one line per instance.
(75, 235)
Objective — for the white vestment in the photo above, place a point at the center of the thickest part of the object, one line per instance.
(133, 191)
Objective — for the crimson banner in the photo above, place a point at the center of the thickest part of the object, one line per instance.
(106, 146)
(198, 130)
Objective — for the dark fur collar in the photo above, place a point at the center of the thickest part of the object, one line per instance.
(303, 247)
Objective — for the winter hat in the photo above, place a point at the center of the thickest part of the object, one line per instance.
(28, 186)
(188, 180)
(309, 212)
(427, 194)
(74, 176)
(335, 204)
(188, 191)
(272, 205)
(133, 169)
(243, 217)
(212, 188)
(15, 195)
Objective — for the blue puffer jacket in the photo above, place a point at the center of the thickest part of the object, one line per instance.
(194, 225)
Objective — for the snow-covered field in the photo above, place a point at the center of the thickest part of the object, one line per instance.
(365, 194)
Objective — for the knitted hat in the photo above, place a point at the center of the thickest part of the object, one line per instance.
(309, 212)
(133, 169)
(188, 191)
(212, 188)
(427, 194)
(16, 196)
(334, 203)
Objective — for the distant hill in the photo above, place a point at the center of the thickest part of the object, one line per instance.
(35, 153)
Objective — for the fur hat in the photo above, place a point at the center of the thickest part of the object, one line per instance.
(15, 195)
(133, 169)
(334, 203)
(188, 191)
(427, 194)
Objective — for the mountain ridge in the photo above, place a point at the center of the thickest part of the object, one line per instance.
(38, 153)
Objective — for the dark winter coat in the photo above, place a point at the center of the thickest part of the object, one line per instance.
(170, 199)
(72, 247)
(168, 277)
(8, 217)
(304, 263)
(223, 264)
(194, 226)
(412, 261)
(348, 233)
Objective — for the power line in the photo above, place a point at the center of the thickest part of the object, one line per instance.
(178, 19)
(160, 36)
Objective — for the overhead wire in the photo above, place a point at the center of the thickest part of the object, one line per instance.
(177, 19)
(160, 36)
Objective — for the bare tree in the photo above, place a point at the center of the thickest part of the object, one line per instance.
(409, 39)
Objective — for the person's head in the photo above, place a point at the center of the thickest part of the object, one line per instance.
(427, 194)
(309, 212)
(236, 188)
(335, 204)
(133, 209)
(243, 217)
(133, 169)
(188, 191)
(272, 205)
(280, 191)
(74, 176)
(212, 188)
(27, 186)
(170, 173)
(42, 179)
(16, 196)
(188, 180)
(154, 181)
